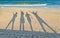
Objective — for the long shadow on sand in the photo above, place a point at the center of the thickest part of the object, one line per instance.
(29, 20)
(12, 21)
(41, 21)
(27, 34)
(22, 21)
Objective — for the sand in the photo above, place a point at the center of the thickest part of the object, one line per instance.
(51, 16)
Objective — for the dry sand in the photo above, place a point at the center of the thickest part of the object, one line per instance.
(50, 15)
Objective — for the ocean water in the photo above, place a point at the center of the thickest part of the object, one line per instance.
(50, 3)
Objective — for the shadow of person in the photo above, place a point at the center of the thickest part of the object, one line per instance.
(41, 21)
(22, 21)
(29, 20)
(12, 20)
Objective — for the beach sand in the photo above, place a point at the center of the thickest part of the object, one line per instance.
(51, 16)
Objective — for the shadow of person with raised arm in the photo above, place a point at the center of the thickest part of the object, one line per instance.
(22, 21)
(41, 21)
(12, 20)
(29, 20)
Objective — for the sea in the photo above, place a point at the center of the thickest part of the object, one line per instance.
(49, 3)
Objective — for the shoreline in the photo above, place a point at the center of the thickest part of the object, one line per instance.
(29, 6)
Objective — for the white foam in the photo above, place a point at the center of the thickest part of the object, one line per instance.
(23, 5)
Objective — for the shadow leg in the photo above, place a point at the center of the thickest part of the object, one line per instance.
(50, 27)
(43, 27)
(12, 25)
(31, 26)
(20, 26)
(23, 27)
(8, 24)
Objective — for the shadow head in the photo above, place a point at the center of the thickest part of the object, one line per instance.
(22, 13)
(35, 12)
(16, 12)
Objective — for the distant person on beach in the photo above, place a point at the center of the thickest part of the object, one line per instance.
(12, 20)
